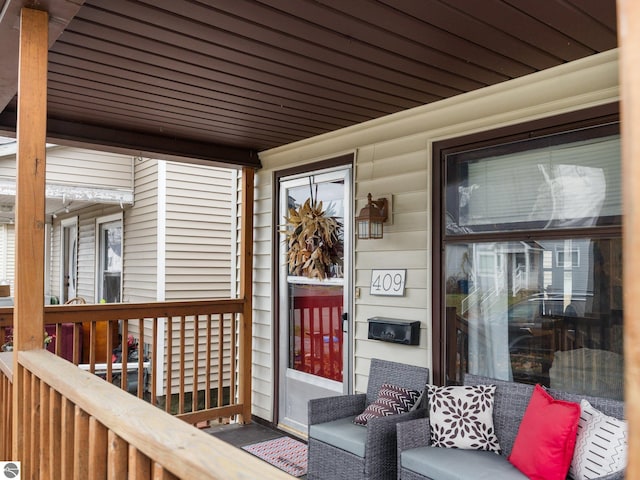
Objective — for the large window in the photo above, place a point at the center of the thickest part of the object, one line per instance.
(531, 265)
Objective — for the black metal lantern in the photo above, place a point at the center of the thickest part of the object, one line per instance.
(371, 219)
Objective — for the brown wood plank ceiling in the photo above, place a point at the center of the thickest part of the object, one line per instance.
(234, 77)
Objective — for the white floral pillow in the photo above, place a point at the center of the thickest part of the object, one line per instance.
(462, 417)
(601, 444)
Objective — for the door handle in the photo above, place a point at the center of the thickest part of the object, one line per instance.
(345, 322)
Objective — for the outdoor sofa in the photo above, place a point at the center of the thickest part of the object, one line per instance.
(418, 460)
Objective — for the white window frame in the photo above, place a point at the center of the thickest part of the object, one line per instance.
(98, 257)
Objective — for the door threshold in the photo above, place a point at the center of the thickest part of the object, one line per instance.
(293, 432)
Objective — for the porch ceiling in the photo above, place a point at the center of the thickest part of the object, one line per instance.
(220, 80)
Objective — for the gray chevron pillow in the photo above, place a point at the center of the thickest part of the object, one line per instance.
(462, 417)
(391, 400)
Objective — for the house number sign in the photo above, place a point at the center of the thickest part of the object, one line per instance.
(388, 282)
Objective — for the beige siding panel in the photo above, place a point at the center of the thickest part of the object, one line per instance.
(198, 239)
(77, 166)
(8, 167)
(140, 260)
(394, 158)
(198, 231)
(140, 249)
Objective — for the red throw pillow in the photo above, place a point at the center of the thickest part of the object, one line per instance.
(547, 435)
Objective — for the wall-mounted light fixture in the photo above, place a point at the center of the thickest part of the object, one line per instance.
(372, 217)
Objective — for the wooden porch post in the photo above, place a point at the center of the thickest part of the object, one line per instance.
(28, 333)
(246, 293)
(629, 39)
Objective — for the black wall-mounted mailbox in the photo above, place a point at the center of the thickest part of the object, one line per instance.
(394, 331)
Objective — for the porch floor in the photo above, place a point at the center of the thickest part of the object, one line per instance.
(242, 435)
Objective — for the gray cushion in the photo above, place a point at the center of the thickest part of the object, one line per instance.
(457, 464)
(342, 433)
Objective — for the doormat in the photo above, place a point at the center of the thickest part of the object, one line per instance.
(286, 453)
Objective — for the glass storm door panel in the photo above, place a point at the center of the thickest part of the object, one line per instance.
(110, 257)
(69, 260)
(313, 290)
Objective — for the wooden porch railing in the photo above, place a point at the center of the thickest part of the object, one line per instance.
(78, 426)
(186, 359)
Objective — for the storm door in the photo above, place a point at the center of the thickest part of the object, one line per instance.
(314, 254)
(69, 259)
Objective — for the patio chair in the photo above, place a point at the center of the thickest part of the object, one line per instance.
(341, 450)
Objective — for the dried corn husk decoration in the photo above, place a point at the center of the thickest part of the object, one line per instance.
(313, 240)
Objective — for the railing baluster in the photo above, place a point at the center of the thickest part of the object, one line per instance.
(169, 363)
(80, 443)
(67, 439)
(55, 435)
(154, 359)
(6, 393)
(45, 439)
(139, 464)
(110, 347)
(77, 342)
(34, 423)
(160, 473)
(207, 382)
(232, 359)
(57, 341)
(220, 359)
(92, 346)
(124, 345)
(181, 392)
(196, 354)
(141, 376)
(97, 450)
(117, 457)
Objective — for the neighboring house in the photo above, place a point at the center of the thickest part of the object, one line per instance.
(130, 229)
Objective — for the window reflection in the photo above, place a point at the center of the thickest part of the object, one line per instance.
(544, 311)
(572, 185)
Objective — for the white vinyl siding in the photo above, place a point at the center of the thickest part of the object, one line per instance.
(198, 252)
(393, 160)
(140, 233)
(263, 350)
(198, 232)
(97, 174)
(77, 166)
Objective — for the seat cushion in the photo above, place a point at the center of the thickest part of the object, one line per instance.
(458, 464)
(342, 433)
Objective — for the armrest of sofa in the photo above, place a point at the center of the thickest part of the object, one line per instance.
(381, 444)
(386, 427)
(326, 409)
(413, 434)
